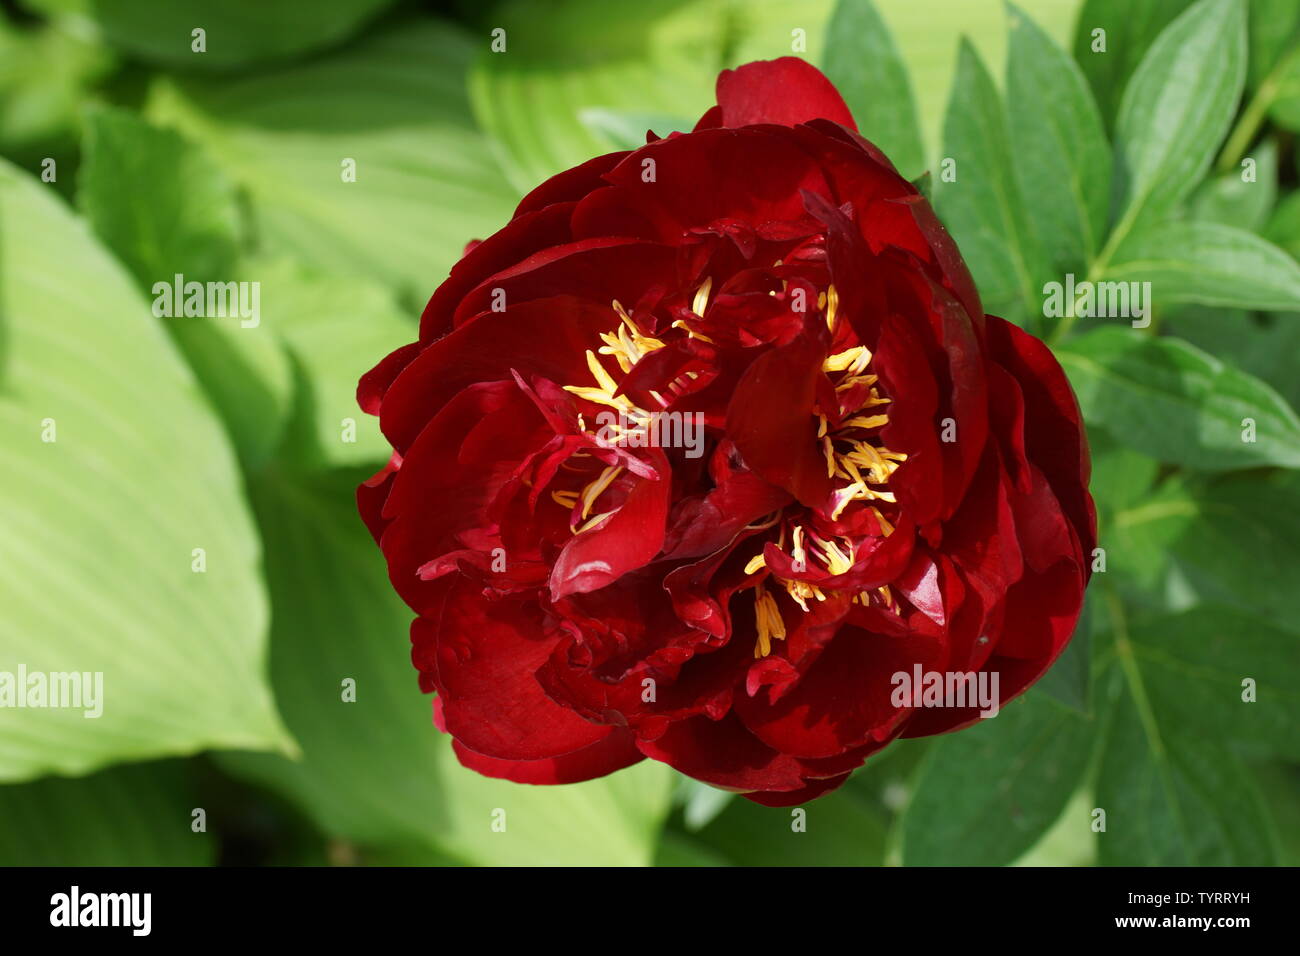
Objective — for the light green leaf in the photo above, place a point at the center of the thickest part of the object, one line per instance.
(1176, 110)
(394, 104)
(1208, 263)
(45, 73)
(1274, 27)
(1061, 153)
(987, 794)
(864, 64)
(189, 227)
(237, 32)
(700, 802)
(133, 815)
(1174, 402)
(983, 208)
(376, 771)
(627, 130)
(565, 59)
(97, 546)
(336, 328)
(1171, 798)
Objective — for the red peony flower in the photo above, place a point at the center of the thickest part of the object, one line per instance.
(710, 444)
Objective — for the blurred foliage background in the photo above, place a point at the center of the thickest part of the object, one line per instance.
(223, 688)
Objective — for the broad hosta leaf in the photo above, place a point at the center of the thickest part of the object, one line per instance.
(134, 815)
(335, 328)
(1061, 153)
(394, 103)
(983, 207)
(1174, 402)
(862, 61)
(1130, 28)
(188, 227)
(1233, 200)
(376, 770)
(1209, 263)
(97, 545)
(1177, 108)
(1174, 798)
(44, 74)
(627, 129)
(565, 59)
(238, 32)
(987, 794)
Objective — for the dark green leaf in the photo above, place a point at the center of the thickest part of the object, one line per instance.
(1234, 200)
(983, 207)
(134, 815)
(987, 794)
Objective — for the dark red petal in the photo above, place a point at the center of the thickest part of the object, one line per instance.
(770, 419)
(614, 751)
(625, 541)
(792, 798)
(785, 91)
(487, 653)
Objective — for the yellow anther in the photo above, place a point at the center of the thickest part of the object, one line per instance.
(595, 488)
(702, 297)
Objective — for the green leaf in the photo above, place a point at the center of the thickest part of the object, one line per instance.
(1069, 680)
(1274, 27)
(565, 59)
(238, 32)
(627, 130)
(1222, 532)
(1061, 153)
(1174, 402)
(45, 73)
(987, 794)
(100, 526)
(1232, 200)
(701, 803)
(1130, 29)
(189, 228)
(864, 64)
(135, 815)
(376, 770)
(839, 829)
(1174, 799)
(1283, 226)
(1208, 263)
(983, 207)
(1193, 666)
(336, 328)
(394, 103)
(1266, 346)
(190, 223)
(1176, 110)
